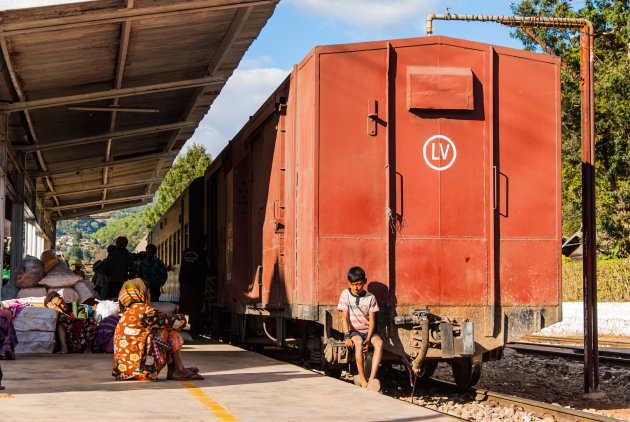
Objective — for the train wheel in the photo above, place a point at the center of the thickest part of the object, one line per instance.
(427, 369)
(333, 372)
(466, 372)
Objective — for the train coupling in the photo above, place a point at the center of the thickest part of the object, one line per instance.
(417, 316)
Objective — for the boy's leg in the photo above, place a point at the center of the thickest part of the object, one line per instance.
(61, 334)
(377, 342)
(358, 354)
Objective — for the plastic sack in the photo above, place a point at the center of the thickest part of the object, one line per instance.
(32, 292)
(9, 291)
(60, 276)
(49, 259)
(35, 341)
(29, 272)
(104, 309)
(68, 294)
(85, 289)
(35, 318)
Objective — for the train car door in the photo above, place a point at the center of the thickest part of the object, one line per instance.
(442, 161)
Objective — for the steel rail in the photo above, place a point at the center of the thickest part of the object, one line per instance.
(573, 341)
(612, 357)
(540, 409)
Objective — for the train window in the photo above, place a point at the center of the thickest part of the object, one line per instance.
(186, 243)
(179, 246)
(170, 250)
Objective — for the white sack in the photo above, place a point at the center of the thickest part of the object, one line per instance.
(104, 309)
(32, 292)
(35, 341)
(83, 290)
(35, 318)
(60, 276)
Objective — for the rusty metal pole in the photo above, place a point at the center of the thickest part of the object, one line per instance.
(591, 351)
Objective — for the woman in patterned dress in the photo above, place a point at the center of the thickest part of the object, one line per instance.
(146, 339)
(75, 332)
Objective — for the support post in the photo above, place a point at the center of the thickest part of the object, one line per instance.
(3, 179)
(17, 215)
(591, 352)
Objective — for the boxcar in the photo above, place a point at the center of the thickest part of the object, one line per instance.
(171, 234)
(433, 163)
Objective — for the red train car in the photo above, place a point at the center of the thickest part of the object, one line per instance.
(433, 163)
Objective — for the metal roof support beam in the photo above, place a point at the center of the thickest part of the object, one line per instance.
(139, 159)
(120, 15)
(3, 177)
(100, 202)
(132, 203)
(111, 93)
(103, 137)
(101, 187)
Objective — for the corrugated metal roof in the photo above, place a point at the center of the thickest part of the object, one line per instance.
(103, 94)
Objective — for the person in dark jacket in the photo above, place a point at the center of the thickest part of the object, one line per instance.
(153, 272)
(192, 281)
(118, 267)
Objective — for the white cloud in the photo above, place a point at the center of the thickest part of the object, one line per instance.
(369, 14)
(242, 95)
(23, 4)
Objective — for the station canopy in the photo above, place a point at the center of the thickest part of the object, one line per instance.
(103, 94)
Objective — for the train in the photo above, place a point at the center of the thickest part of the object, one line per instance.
(433, 163)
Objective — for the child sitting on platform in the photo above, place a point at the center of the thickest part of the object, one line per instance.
(358, 307)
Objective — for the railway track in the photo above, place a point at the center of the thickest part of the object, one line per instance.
(539, 409)
(603, 342)
(617, 356)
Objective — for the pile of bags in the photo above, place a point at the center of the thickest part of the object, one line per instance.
(35, 330)
(37, 277)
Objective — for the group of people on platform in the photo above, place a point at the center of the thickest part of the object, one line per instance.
(143, 339)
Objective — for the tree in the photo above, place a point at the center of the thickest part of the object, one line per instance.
(76, 237)
(186, 168)
(612, 113)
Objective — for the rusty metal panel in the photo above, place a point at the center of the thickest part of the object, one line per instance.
(442, 162)
(305, 153)
(528, 186)
(352, 195)
(442, 88)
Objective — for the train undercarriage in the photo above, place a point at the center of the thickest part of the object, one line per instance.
(419, 338)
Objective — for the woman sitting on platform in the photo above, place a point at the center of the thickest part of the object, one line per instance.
(76, 327)
(146, 339)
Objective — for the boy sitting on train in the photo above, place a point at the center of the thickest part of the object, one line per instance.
(359, 323)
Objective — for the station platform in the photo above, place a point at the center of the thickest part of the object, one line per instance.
(239, 386)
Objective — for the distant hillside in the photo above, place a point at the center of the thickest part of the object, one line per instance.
(70, 227)
(129, 222)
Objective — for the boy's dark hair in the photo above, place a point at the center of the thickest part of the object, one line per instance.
(356, 274)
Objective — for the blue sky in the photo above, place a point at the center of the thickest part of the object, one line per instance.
(299, 25)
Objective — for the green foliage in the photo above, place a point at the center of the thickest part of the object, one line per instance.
(70, 227)
(131, 226)
(613, 280)
(612, 113)
(185, 169)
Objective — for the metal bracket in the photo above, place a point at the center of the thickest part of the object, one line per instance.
(372, 117)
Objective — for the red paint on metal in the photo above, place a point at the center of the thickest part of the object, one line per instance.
(456, 204)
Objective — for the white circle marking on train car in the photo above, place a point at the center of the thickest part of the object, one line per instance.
(439, 151)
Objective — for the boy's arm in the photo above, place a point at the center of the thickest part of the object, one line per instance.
(345, 317)
(370, 328)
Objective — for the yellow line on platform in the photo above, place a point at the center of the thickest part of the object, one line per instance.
(219, 411)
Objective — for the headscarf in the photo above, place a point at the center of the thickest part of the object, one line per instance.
(132, 291)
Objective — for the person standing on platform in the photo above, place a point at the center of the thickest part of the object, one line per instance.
(118, 267)
(153, 272)
(192, 280)
(77, 268)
